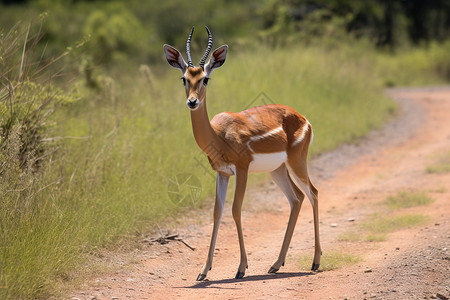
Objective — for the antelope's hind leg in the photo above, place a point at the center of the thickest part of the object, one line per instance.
(281, 177)
(298, 172)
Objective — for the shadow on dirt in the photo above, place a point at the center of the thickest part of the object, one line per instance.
(217, 283)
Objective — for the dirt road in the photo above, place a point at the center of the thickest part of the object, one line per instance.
(352, 181)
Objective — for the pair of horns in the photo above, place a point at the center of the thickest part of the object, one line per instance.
(208, 48)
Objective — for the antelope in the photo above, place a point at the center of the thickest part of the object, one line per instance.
(270, 138)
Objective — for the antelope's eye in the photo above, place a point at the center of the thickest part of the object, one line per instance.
(184, 80)
(205, 81)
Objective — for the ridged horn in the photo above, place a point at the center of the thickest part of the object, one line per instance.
(188, 48)
(208, 48)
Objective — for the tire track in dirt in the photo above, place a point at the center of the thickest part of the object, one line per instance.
(411, 263)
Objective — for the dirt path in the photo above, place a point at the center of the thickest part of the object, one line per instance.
(410, 264)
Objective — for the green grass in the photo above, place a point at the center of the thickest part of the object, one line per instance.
(405, 199)
(122, 147)
(330, 260)
(442, 165)
(349, 237)
(377, 227)
(427, 65)
(376, 237)
(379, 224)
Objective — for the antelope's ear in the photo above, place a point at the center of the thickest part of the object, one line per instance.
(217, 59)
(174, 58)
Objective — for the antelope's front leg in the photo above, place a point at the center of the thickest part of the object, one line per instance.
(221, 192)
(241, 183)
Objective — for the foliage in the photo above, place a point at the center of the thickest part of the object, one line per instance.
(386, 23)
(114, 33)
(26, 105)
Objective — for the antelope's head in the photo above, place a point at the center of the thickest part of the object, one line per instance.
(195, 78)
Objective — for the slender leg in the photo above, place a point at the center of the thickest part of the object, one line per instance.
(317, 248)
(221, 192)
(241, 183)
(293, 194)
(299, 175)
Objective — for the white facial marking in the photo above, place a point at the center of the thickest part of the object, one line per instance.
(266, 162)
(263, 136)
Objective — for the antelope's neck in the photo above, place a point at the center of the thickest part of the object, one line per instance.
(204, 134)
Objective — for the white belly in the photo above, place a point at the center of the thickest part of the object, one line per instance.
(266, 162)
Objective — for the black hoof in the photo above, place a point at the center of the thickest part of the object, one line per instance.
(315, 267)
(200, 277)
(239, 275)
(273, 270)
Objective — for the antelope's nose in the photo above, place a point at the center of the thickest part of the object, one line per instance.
(192, 103)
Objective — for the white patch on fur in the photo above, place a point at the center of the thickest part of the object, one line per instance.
(263, 136)
(266, 162)
(302, 136)
(303, 186)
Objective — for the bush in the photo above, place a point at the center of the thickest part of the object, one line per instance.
(116, 34)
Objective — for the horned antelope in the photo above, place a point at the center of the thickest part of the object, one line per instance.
(269, 138)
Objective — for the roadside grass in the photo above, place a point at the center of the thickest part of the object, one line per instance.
(439, 190)
(405, 199)
(330, 260)
(442, 165)
(426, 65)
(381, 224)
(377, 226)
(350, 236)
(376, 237)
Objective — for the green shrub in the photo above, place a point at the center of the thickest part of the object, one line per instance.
(115, 34)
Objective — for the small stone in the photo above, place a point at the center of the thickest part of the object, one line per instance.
(368, 271)
(397, 248)
(334, 225)
(440, 296)
(351, 219)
